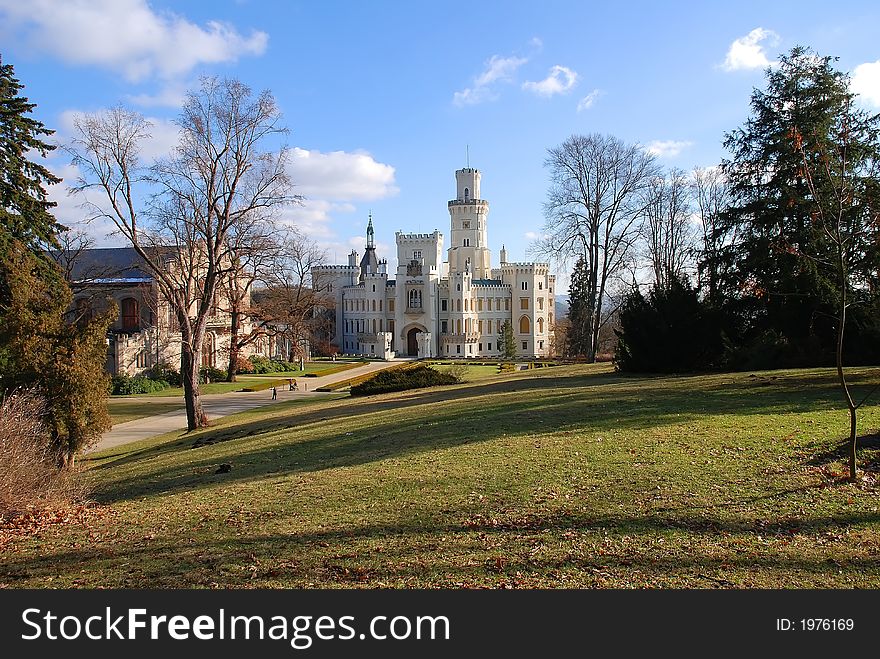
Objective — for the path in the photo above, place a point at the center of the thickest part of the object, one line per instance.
(219, 405)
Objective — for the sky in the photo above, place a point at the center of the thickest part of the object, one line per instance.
(385, 100)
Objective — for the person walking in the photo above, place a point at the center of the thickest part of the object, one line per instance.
(274, 393)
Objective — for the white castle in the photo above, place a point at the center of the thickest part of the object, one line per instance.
(441, 309)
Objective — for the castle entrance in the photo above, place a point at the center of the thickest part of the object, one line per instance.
(412, 342)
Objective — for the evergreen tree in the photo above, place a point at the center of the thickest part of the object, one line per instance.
(39, 348)
(579, 311)
(25, 211)
(787, 298)
(506, 341)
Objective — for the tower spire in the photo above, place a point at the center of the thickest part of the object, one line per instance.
(467, 148)
(370, 236)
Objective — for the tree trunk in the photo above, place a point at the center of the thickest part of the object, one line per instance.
(234, 348)
(841, 376)
(189, 376)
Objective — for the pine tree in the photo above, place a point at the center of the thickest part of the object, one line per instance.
(507, 341)
(785, 296)
(579, 312)
(25, 211)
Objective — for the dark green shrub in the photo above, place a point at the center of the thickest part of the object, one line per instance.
(403, 379)
(211, 374)
(166, 372)
(125, 385)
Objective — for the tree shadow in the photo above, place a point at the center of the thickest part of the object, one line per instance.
(352, 432)
(868, 453)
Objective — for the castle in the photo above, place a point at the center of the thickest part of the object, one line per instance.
(433, 308)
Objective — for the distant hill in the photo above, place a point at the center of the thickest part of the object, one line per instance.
(561, 304)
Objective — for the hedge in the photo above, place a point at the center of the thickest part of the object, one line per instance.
(417, 377)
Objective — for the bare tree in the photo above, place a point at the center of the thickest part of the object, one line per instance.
(667, 230)
(178, 214)
(711, 194)
(255, 253)
(593, 210)
(841, 165)
(289, 303)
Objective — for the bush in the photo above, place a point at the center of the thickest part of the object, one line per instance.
(167, 373)
(670, 331)
(125, 385)
(403, 379)
(262, 365)
(29, 472)
(209, 374)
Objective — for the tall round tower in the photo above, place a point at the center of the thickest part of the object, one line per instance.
(468, 214)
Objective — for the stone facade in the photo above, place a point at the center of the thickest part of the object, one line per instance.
(434, 308)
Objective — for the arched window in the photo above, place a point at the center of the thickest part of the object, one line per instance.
(458, 305)
(130, 314)
(374, 304)
(524, 325)
(209, 350)
(467, 194)
(540, 325)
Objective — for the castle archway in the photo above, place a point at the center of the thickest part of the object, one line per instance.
(412, 342)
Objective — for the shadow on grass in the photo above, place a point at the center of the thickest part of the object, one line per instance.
(358, 431)
(346, 555)
(867, 453)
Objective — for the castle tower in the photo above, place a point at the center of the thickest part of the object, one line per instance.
(468, 213)
(369, 262)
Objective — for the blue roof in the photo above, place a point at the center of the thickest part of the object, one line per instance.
(486, 282)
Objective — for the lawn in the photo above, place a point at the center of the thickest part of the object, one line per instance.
(565, 477)
(126, 409)
(468, 372)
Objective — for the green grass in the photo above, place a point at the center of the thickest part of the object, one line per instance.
(564, 477)
(123, 409)
(468, 372)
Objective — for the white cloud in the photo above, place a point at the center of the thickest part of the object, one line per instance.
(535, 42)
(865, 82)
(667, 148)
(560, 80)
(496, 69)
(171, 95)
(127, 36)
(748, 53)
(314, 217)
(532, 235)
(340, 175)
(587, 101)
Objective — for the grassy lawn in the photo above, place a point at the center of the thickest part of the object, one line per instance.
(470, 373)
(564, 477)
(123, 409)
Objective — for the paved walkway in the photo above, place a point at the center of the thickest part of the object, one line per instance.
(219, 405)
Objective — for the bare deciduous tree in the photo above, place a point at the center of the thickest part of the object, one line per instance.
(593, 210)
(842, 172)
(178, 214)
(667, 229)
(711, 194)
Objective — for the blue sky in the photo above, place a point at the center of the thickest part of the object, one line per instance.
(382, 98)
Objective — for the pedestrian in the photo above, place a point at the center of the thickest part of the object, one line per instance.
(293, 386)
(290, 384)
(274, 393)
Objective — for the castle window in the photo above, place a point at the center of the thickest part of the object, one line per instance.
(541, 303)
(541, 345)
(465, 225)
(524, 325)
(497, 304)
(507, 304)
(467, 194)
(525, 285)
(525, 345)
(550, 318)
(479, 304)
(130, 314)
(444, 327)
(480, 347)
(467, 242)
(458, 305)
(458, 325)
(458, 348)
(380, 305)
(417, 254)
(442, 305)
(489, 347)
(391, 305)
(498, 327)
(142, 359)
(374, 288)
(524, 303)
(540, 325)
(480, 327)
(373, 305)
(540, 286)
(458, 288)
